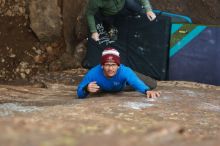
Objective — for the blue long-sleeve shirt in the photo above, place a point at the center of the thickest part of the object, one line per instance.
(116, 83)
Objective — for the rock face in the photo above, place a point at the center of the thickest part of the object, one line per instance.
(45, 17)
(12, 8)
(201, 11)
(74, 25)
(183, 115)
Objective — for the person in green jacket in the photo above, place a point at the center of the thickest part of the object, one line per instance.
(109, 9)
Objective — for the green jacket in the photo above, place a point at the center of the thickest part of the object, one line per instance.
(107, 7)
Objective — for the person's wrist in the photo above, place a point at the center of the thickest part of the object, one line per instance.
(149, 10)
(94, 32)
(86, 89)
(146, 90)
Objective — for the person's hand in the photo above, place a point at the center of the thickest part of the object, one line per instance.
(95, 36)
(93, 87)
(151, 15)
(152, 94)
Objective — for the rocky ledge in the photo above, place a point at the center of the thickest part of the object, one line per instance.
(186, 114)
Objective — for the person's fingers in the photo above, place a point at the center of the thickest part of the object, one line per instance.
(148, 95)
(96, 89)
(94, 85)
(153, 94)
(151, 16)
(95, 36)
(93, 90)
(158, 94)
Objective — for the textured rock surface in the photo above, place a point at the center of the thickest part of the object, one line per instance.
(200, 11)
(45, 17)
(186, 114)
(73, 26)
(12, 8)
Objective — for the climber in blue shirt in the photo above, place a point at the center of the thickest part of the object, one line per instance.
(111, 76)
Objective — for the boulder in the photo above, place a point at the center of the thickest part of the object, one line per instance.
(45, 18)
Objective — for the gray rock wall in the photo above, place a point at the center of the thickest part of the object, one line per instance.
(73, 11)
(46, 19)
(51, 21)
